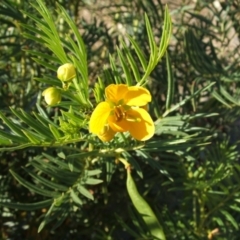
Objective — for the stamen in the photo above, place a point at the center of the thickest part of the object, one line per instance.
(133, 119)
(119, 113)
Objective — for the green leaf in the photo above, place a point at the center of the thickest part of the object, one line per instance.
(151, 41)
(170, 91)
(156, 53)
(73, 26)
(75, 197)
(33, 187)
(61, 219)
(220, 99)
(59, 162)
(44, 56)
(228, 96)
(5, 141)
(48, 31)
(55, 132)
(42, 130)
(116, 75)
(33, 138)
(27, 206)
(166, 33)
(144, 209)
(44, 63)
(49, 81)
(175, 107)
(132, 62)
(109, 170)
(93, 181)
(33, 38)
(55, 172)
(125, 68)
(85, 192)
(15, 128)
(45, 220)
(133, 233)
(47, 183)
(230, 218)
(93, 172)
(139, 53)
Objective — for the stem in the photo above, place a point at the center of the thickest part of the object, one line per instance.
(125, 163)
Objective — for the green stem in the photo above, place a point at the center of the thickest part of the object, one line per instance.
(125, 163)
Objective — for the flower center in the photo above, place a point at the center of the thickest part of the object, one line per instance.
(119, 113)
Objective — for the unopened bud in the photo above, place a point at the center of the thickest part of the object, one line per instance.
(66, 72)
(52, 96)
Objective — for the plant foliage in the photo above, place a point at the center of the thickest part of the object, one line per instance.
(59, 180)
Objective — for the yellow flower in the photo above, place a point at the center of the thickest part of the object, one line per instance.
(52, 95)
(66, 72)
(124, 110)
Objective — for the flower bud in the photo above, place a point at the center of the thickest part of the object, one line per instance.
(66, 72)
(52, 96)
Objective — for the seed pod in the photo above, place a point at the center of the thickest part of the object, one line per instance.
(144, 209)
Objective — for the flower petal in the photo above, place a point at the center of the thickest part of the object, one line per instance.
(137, 96)
(116, 92)
(106, 134)
(144, 128)
(99, 117)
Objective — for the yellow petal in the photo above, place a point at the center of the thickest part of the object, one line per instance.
(137, 96)
(118, 126)
(144, 128)
(116, 92)
(99, 117)
(106, 134)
